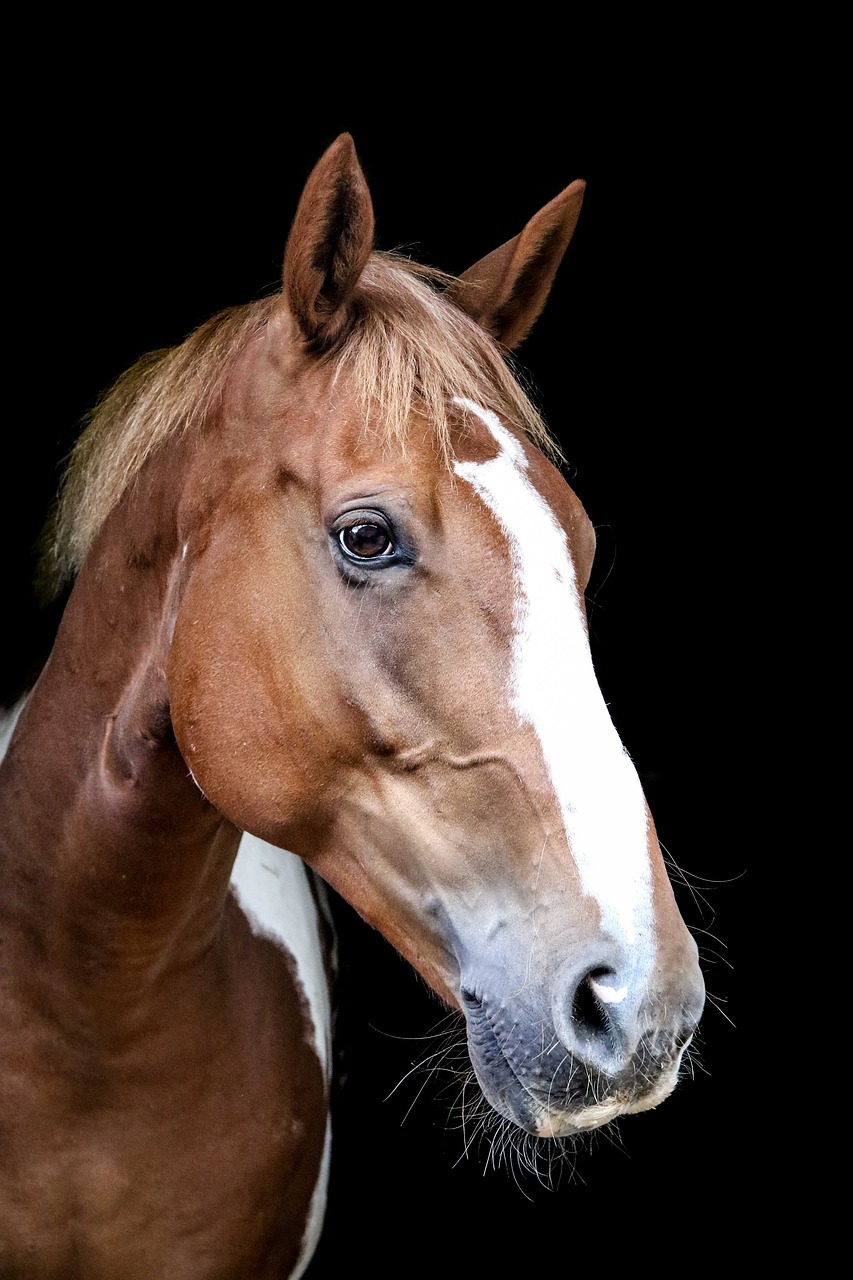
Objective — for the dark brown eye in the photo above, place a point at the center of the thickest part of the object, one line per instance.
(366, 541)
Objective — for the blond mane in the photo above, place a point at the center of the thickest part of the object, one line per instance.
(409, 348)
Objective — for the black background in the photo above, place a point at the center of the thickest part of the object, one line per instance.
(139, 210)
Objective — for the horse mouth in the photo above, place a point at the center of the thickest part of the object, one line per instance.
(534, 1081)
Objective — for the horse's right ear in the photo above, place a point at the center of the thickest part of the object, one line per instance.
(506, 291)
(329, 243)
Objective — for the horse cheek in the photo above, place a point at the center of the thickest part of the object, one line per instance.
(250, 766)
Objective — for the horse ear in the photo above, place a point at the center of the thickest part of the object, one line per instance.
(329, 243)
(506, 291)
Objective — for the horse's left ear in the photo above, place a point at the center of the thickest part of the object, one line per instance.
(329, 243)
(506, 291)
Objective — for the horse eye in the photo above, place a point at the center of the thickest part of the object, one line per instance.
(366, 541)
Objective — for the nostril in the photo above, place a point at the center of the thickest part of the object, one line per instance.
(589, 1014)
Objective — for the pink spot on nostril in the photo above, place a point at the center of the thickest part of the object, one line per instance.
(607, 994)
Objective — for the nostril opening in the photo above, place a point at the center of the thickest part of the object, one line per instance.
(588, 1013)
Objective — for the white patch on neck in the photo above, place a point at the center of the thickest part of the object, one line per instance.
(554, 689)
(271, 886)
(8, 719)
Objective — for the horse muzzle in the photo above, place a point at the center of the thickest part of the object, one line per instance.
(590, 1054)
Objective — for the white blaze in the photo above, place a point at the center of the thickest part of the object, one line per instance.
(555, 690)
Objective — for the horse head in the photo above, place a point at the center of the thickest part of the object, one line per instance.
(380, 659)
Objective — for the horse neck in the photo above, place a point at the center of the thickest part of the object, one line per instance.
(115, 861)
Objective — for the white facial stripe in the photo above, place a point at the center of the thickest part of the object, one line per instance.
(555, 690)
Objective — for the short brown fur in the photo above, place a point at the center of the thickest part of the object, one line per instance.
(224, 665)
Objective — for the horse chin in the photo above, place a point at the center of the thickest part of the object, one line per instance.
(557, 1124)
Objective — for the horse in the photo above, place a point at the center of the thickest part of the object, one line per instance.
(325, 628)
